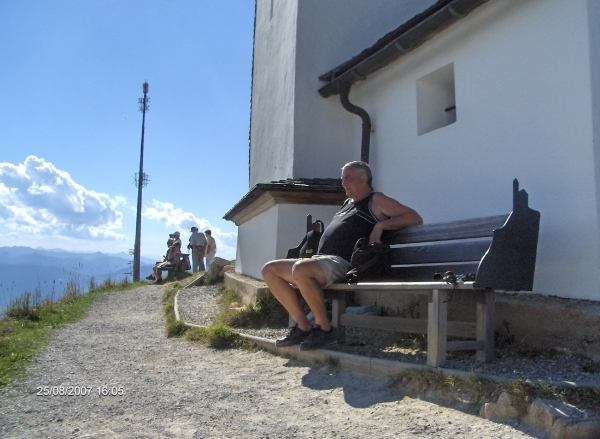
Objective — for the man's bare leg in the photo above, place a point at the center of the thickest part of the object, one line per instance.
(278, 276)
(309, 278)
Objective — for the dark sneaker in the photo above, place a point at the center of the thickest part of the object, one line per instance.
(318, 338)
(294, 336)
(158, 281)
(151, 277)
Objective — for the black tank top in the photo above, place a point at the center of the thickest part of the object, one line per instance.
(354, 221)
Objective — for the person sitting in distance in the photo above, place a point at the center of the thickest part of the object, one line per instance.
(173, 253)
(364, 214)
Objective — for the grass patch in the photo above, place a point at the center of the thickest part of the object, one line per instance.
(222, 334)
(28, 322)
(218, 336)
(174, 327)
(266, 312)
(481, 389)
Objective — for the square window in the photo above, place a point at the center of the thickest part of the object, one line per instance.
(436, 100)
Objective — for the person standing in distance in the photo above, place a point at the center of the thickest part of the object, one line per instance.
(364, 214)
(197, 245)
(211, 247)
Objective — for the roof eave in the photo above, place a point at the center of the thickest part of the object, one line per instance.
(412, 34)
(295, 192)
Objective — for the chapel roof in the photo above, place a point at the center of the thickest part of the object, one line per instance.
(298, 190)
(398, 42)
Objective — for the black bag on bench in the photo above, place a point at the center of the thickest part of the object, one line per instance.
(309, 245)
(369, 261)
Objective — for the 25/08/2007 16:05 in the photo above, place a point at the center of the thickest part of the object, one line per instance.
(80, 390)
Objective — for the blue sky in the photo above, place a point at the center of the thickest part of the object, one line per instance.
(70, 129)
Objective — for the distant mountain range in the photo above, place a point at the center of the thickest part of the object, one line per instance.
(27, 269)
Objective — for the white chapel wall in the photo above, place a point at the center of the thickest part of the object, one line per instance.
(256, 243)
(329, 33)
(270, 234)
(594, 29)
(523, 109)
(272, 123)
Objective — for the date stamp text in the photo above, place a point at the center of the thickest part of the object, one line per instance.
(109, 390)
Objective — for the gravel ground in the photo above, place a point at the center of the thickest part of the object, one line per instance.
(196, 303)
(156, 387)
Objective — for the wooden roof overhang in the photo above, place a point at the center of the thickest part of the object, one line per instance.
(397, 43)
(263, 196)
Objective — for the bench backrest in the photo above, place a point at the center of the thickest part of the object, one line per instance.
(500, 250)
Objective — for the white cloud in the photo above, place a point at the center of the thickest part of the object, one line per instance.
(38, 198)
(176, 219)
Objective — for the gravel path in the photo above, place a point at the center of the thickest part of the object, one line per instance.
(173, 388)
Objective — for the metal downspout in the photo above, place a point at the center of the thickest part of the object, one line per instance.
(366, 121)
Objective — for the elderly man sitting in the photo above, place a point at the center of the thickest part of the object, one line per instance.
(167, 263)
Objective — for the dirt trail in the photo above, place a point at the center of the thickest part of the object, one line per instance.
(172, 388)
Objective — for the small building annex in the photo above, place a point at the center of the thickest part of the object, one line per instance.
(462, 96)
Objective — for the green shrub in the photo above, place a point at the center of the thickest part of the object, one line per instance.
(176, 328)
(218, 336)
(266, 312)
(26, 307)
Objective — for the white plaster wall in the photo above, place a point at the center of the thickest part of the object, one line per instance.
(523, 97)
(292, 223)
(594, 29)
(269, 235)
(272, 123)
(256, 243)
(294, 132)
(329, 33)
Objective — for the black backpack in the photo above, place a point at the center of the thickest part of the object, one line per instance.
(369, 261)
(310, 244)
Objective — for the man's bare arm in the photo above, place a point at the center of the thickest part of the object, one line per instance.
(392, 215)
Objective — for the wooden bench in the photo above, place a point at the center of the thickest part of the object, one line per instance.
(499, 250)
(180, 264)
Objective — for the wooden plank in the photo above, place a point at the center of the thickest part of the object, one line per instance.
(400, 324)
(395, 324)
(425, 272)
(400, 287)
(338, 308)
(457, 251)
(461, 229)
(437, 328)
(485, 327)
(464, 345)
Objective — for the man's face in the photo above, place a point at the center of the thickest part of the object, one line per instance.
(355, 183)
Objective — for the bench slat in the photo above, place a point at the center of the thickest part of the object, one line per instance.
(461, 251)
(426, 272)
(400, 324)
(462, 229)
(423, 287)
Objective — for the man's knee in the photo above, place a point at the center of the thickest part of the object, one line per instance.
(278, 268)
(306, 269)
(268, 268)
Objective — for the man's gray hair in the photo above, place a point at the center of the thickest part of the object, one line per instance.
(362, 168)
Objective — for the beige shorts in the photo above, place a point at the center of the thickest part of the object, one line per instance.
(334, 267)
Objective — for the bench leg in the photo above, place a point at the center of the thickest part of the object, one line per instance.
(485, 327)
(338, 307)
(437, 328)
